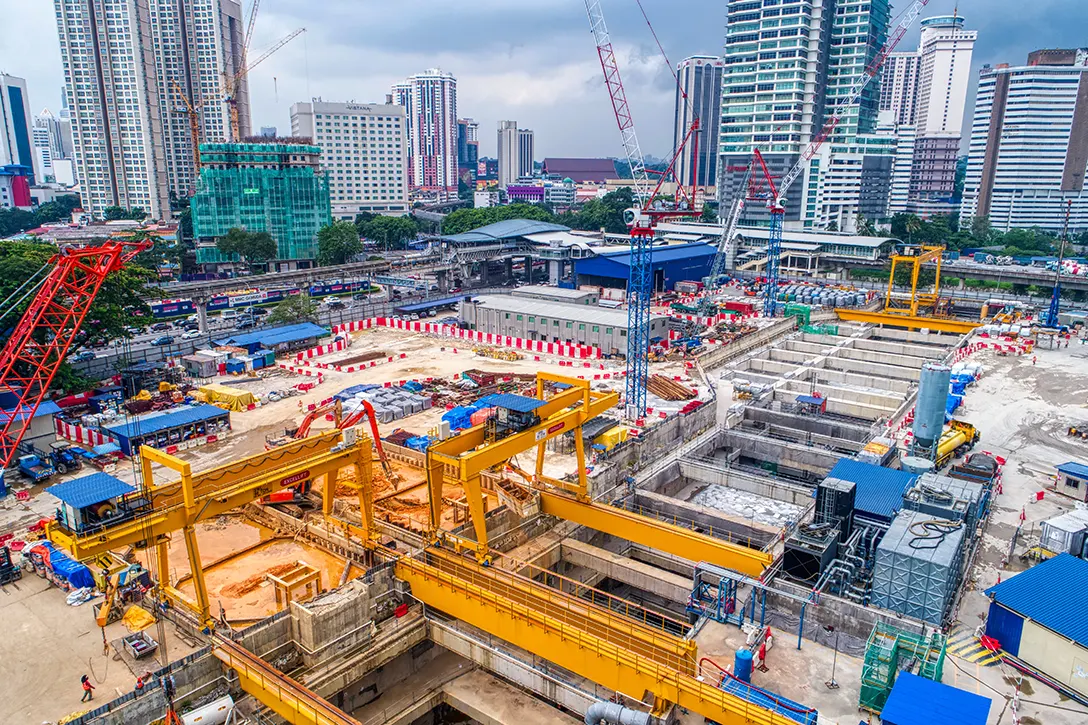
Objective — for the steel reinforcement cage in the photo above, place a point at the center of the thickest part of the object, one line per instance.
(274, 188)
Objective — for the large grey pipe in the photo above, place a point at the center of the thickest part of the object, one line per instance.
(615, 714)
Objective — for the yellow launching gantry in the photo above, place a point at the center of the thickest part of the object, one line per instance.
(920, 309)
(146, 519)
(522, 423)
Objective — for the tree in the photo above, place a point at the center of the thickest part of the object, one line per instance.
(710, 212)
(393, 231)
(337, 243)
(116, 213)
(463, 220)
(912, 225)
(833, 226)
(14, 221)
(604, 213)
(255, 248)
(296, 308)
(362, 218)
(864, 226)
(981, 230)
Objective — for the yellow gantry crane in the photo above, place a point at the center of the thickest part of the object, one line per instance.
(919, 302)
(147, 518)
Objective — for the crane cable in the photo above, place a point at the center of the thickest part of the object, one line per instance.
(9, 306)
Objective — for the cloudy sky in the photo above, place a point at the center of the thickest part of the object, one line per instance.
(531, 62)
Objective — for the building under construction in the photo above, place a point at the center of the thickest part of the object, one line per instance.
(272, 185)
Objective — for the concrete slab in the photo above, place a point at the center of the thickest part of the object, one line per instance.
(490, 701)
(793, 455)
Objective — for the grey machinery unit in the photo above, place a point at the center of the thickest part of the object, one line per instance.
(930, 408)
(945, 497)
(811, 548)
(918, 566)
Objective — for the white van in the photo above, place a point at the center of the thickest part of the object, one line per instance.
(230, 314)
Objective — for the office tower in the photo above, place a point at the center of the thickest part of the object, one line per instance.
(468, 149)
(899, 85)
(127, 69)
(508, 153)
(700, 80)
(16, 138)
(785, 66)
(262, 185)
(363, 152)
(48, 144)
(1020, 172)
(526, 151)
(431, 102)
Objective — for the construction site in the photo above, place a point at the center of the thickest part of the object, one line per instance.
(742, 502)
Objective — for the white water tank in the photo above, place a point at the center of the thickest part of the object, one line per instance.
(214, 713)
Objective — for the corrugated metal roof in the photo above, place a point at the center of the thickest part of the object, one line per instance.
(89, 490)
(47, 407)
(557, 310)
(182, 415)
(519, 403)
(557, 292)
(276, 335)
(915, 700)
(879, 490)
(1042, 594)
(662, 254)
(1077, 470)
(506, 229)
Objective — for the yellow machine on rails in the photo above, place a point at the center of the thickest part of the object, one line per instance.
(920, 308)
(521, 424)
(147, 518)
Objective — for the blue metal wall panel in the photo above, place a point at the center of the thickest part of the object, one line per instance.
(1006, 627)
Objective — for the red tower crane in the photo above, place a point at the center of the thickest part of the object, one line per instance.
(41, 339)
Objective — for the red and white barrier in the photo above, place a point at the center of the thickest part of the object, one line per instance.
(581, 352)
(78, 434)
(322, 350)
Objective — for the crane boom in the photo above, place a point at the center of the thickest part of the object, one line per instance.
(905, 21)
(41, 339)
(619, 101)
(230, 82)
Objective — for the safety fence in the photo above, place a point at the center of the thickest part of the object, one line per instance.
(568, 350)
(78, 434)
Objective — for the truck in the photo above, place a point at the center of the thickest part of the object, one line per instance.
(36, 468)
(63, 457)
(958, 439)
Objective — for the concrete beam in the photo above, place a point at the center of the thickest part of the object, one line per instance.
(628, 571)
(867, 367)
(738, 528)
(790, 356)
(743, 481)
(811, 348)
(875, 398)
(838, 406)
(809, 424)
(882, 358)
(904, 349)
(792, 455)
(826, 376)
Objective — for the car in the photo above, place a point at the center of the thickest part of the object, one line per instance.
(260, 312)
(190, 335)
(135, 330)
(82, 356)
(244, 324)
(193, 318)
(160, 327)
(415, 316)
(163, 340)
(187, 326)
(360, 296)
(99, 342)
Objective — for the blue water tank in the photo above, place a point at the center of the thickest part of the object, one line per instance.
(930, 408)
(742, 665)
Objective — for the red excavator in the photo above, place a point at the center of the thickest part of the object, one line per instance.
(298, 493)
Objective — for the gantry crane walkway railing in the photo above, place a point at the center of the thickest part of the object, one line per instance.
(283, 695)
(602, 647)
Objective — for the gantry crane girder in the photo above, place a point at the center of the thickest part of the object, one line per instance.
(563, 636)
(179, 505)
(915, 256)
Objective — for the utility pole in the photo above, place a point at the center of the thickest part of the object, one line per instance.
(1056, 297)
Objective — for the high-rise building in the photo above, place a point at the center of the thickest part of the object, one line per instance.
(16, 138)
(431, 101)
(401, 95)
(899, 85)
(468, 149)
(48, 144)
(508, 153)
(700, 80)
(363, 152)
(1029, 143)
(526, 152)
(785, 67)
(263, 185)
(124, 65)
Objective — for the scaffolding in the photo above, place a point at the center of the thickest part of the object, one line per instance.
(890, 650)
(803, 313)
(260, 187)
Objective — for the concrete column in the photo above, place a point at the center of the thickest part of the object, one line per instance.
(202, 313)
(555, 271)
(484, 280)
(509, 268)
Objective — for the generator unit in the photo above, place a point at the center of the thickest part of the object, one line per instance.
(809, 550)
(835, 505)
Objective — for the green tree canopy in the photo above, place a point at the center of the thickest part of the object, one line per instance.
(604, 213)
(337, 243)
(295, 308)
(14, 221)
(710, 212)
(395, 231)
(115, 213)
(464, 220)
(255, 248)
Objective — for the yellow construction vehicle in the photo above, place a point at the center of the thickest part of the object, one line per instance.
(146, 518)
(955, 441)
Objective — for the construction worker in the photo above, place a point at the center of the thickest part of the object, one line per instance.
(1032, 359)
(88, 688)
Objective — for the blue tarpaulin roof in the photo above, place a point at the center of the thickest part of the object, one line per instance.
(879, 491)
(770, 701)
(915, 700)
(47, 407)
(275, 336)
(76, 574)
(430, 304)
(182, 415)
(1042, 594)
(89, 490)
(519, 403)
(1076, 470)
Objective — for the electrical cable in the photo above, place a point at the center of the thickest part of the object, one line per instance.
(9, 308)
(933, 530)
